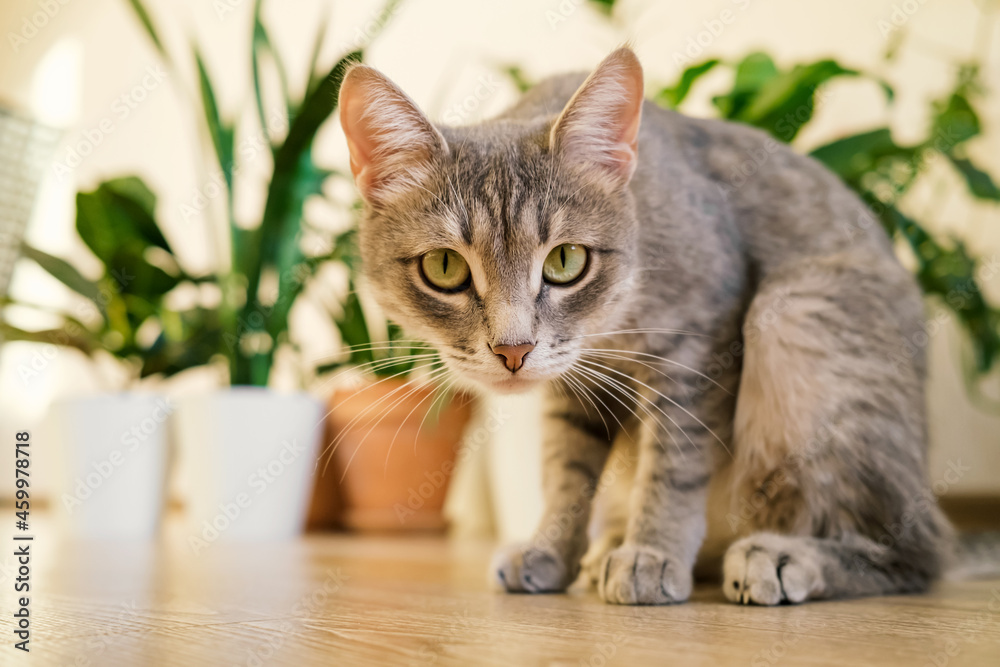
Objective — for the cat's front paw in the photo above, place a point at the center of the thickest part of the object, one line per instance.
(592, 564)
(643, 575)
(526, 568)
(768, 569)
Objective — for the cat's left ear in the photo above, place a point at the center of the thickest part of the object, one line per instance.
(393, 145)
(600, 125)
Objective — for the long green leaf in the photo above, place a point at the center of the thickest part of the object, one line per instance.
(854, 156)
(48, 337)
(222, 134)
(752, 73)
(314, 58)
(65, 273)
(262, 45)
(980, 183)
(293, 180)
(785, 102)
(147, 23)
(950, 274)
(672, 97)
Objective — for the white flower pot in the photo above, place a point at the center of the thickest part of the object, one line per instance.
(113, 465)
(248, 456)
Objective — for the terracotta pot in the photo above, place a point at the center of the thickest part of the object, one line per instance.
(391, 467)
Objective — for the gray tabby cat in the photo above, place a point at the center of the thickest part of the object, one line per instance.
(720, 311)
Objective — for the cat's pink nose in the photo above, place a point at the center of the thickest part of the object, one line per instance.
(513, 355)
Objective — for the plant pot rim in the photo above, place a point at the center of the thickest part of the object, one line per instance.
(247, 390)
(112, 397)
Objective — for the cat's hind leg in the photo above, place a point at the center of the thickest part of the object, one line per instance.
(830, 430)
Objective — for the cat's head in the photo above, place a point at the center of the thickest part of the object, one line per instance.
(504, 244)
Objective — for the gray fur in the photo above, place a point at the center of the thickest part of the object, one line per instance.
(784, 315)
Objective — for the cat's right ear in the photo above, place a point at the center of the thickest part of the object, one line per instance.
(393, 146)
(600, 125)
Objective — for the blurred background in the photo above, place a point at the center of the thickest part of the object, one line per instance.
(183, 323)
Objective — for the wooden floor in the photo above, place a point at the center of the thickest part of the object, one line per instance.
(337, 600)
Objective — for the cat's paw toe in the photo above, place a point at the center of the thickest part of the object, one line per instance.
(643, 575)
(769, 570)
(592, 564)
(524, 568)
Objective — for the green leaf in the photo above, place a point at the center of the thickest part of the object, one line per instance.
(980, 183)
(854, 156)
(189, 339)
(751, 74)
(133, 196)
(222, 134)
(673, 96)
(147, 23)
(954, 123)
(116, 223)
(315, 110)
(785, 102)
(262, 45)
(314, 58)
(518, 78)
(950, 274)
(47, 337)
(606, 7)
(404, 351)
(887, 90)
(295, 178)
(353, 327)
(65, 273)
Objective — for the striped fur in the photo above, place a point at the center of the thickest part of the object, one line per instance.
(741, 341)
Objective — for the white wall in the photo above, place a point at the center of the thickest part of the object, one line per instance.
(443, 52)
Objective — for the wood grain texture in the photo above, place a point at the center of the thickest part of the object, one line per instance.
(338, 600)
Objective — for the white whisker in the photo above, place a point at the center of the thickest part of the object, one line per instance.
(336, 441)
(643, 331)
(610, 385)
(374, 367)
(370, 428)
(661, 360)
(666, 398)
(432, 378)
(569, 378)
(444, 392)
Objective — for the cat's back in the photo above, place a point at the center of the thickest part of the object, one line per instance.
(784, 205)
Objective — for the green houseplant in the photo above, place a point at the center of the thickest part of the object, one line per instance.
(240, 311)
(118, 223)
(124, 311)
(266, 269)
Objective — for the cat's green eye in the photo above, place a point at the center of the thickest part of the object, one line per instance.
(565, 263)
(445, 270)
